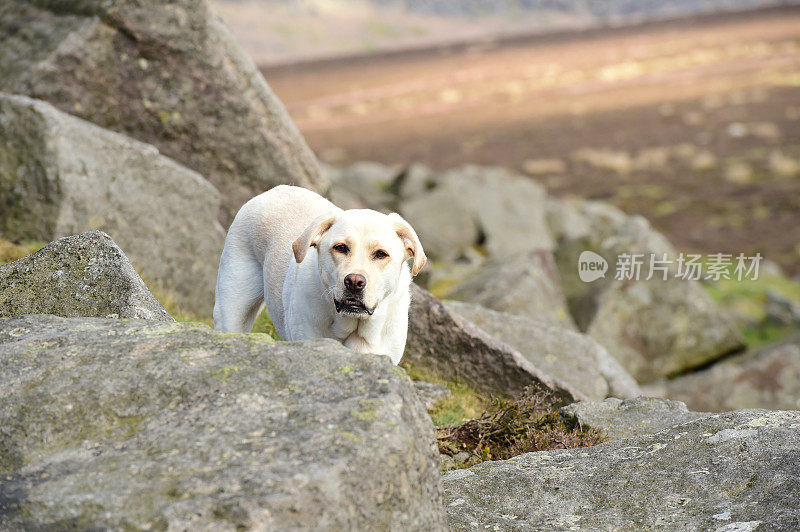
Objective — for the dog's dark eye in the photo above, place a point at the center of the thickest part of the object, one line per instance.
(380, 254)
(341, 248)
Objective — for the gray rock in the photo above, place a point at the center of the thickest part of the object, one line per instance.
(108, 424)
(620, 419)
(596, 226)
(363, 185)
(527, 285)
(781, 310)
(570, 356)
(416, 179)
(447, 230)
(164, 72)
(502, 211)
(450, 347)
(60, 175)
(654, 328)
(765, 377)
(82, 275)
(662, 328)
(431, 393)
(734, 471)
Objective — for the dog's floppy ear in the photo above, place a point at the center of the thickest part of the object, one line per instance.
(312, 235)
(410, 241)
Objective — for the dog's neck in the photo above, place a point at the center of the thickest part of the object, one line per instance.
(360, 335)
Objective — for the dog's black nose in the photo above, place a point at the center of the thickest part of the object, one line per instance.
(355, 282)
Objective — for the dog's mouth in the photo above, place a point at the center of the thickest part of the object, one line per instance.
(351, 305)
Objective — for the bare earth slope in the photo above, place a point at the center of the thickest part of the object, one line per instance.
(693, 123)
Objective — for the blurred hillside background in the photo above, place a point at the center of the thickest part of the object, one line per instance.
(687, 112)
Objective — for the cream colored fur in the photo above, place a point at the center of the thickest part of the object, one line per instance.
(282, 250)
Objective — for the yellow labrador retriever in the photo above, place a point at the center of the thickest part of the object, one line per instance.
(323, 272)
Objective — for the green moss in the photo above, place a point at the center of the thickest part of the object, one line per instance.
(764, 333)
(747, 298)
(465, 403)
(223, 374)
(366, 410)
(441, 287)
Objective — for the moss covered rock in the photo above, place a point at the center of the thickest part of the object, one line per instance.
(443, 343)
(164, 72)
(568, 355)
(654, 328)
(131, 425)
(618, 419)
(734, 471)
(60, 175)
(82, 275)
(764, 377)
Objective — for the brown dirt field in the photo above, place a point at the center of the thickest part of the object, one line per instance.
(693, 123)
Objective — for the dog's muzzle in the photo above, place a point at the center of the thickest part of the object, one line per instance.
(352, 305)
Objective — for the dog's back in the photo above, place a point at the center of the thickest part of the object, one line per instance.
(257, 253)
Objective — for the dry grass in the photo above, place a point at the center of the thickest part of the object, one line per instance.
(10, 252)
(508, 428)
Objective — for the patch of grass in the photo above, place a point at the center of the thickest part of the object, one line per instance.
(9, 251)
(747, 299)
(168, 300)
(264, 325)
(764, 333)
(508, 428)
(464, 404)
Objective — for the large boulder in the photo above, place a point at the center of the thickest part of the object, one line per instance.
(619, 419)
(765, 377)
(60, 175)
(655, 327)
(108, 424)
(82, 275)
(661, 328)
(492, 207)
(573, 357)
(735, 471)
(164, 72)
(525, 284)
(447, 345)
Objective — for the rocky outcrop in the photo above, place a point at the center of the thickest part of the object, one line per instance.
(60, 175)
(526, 284)
(662, 328)
(765, 377)
(655, 327)
(82, 275)
(491, 207)
(165, 73)
(450, 347)
(618, 419)
(108, 424)
(734, 471)
(567, 355)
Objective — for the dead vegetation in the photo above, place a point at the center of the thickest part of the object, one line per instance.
(508, 428)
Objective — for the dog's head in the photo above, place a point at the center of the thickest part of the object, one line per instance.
(360, 256)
